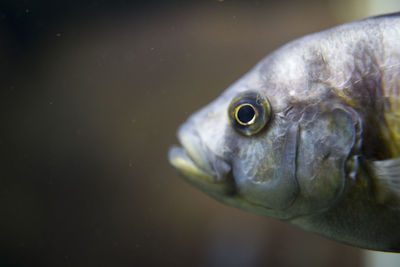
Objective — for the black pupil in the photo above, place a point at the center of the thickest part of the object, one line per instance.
(245, 113)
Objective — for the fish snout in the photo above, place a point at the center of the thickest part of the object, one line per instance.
(198, 151)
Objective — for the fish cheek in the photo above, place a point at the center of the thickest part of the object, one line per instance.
(326, 143)
(265, 169)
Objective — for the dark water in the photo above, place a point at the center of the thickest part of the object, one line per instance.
(92, 93)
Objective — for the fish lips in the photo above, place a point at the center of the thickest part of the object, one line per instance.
(195, 157)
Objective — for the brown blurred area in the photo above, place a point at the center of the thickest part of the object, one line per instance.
(92, 93)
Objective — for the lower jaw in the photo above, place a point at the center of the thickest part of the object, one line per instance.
(201, 179)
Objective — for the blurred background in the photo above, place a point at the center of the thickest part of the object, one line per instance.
(91, 95)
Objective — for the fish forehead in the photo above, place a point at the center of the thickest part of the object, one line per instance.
(306, 70)
(335, 59)
(312, 68)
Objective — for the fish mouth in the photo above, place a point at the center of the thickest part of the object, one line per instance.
(196, 162)
(179, 158)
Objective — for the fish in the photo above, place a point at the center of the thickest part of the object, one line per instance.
(310, 135)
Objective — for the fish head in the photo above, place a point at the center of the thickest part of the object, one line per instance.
(273, 143)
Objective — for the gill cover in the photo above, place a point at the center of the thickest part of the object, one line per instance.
(306, 161)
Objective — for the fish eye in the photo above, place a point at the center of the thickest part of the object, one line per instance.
(246, 114)
(249, 113)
